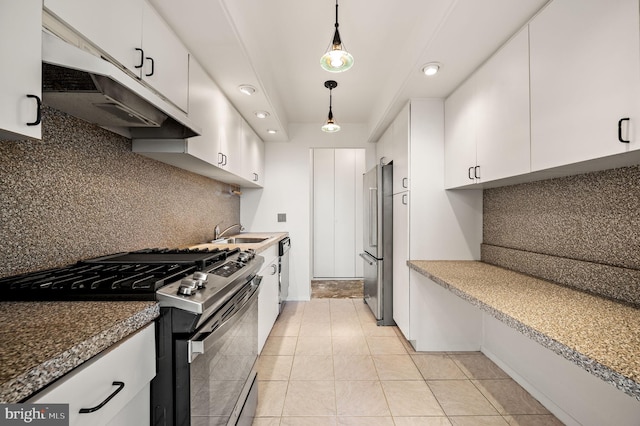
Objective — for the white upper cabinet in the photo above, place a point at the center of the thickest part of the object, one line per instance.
(502, 121)
(21, 82)
(487, 119)
(227, 150)
(384, 146)
(204, 100)
(135, 36)
(166, 59)
(460, 112)
(254, 155)
(585, 78)
(401, 141)
(114, 26)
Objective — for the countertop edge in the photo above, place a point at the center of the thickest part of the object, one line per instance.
(620, 381)
(28, 383)
(274, 238)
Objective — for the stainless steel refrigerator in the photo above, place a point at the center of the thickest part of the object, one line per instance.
(378, 242)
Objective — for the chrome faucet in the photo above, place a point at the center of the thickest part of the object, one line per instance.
(217, 234)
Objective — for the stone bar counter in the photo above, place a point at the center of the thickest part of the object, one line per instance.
(42, 341)
(597, 334)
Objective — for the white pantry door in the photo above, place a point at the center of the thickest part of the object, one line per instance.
(337, 212)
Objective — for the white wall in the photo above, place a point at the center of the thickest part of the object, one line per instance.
(287, 189)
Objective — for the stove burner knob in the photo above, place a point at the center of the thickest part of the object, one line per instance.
(188, 287)
(200, 278)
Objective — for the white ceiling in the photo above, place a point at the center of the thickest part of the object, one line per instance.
(275, 45)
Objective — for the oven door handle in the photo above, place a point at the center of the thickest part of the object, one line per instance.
(204, 341)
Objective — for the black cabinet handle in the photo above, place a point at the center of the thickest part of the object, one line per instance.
(120, 386)
(222, 159)
(38, 111)
(255, 177)
(141, 58)
(476, 169)
(469, 173)
(153, 66)
(620, 130)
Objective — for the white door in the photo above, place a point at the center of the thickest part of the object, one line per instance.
(337, 212)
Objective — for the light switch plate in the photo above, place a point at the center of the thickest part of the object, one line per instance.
(282, 217)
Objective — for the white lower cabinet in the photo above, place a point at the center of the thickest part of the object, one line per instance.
(401, 295)
(268, 303)
(434, 328)
(129, 366)
(428, 222)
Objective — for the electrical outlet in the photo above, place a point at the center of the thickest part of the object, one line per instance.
(282, 217)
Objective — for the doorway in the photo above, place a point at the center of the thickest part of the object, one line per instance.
(337, 213)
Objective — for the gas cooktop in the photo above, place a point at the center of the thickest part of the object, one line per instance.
(121, 276)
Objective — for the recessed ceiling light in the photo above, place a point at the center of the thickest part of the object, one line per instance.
(431, 68)
(261, 114)
(272, 131)
(247, 89)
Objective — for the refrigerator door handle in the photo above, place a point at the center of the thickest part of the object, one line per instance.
(373, 217)
(366, 257)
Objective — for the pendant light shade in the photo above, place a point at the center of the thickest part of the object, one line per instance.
(337, 59)
(330, 126)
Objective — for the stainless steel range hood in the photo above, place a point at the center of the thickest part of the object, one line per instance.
(95, 90)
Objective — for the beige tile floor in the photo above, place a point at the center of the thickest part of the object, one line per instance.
(327, 363)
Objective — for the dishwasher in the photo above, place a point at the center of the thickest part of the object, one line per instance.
(283, 271)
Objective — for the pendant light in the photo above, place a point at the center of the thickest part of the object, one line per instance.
(330, 126)
(337, 59)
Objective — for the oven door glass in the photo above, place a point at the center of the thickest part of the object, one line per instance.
(222, 366)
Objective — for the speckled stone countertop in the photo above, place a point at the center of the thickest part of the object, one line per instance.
(595, 333)
(41, 341)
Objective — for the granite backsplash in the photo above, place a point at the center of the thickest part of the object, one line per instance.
(80, 193)
(582, 231)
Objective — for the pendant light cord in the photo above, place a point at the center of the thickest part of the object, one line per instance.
(330, 102)
(336, 14)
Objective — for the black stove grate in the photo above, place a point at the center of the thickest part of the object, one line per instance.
(122, 276)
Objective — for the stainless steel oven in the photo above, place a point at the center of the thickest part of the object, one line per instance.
(207, 352)
(206, 334)
(220, 357)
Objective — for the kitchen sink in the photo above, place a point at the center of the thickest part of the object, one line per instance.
(240, 240)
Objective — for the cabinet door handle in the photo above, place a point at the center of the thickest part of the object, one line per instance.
(153, 66)
(222, 159)
(476, 171)
(275, 269)
(405, 182)
(404, 199)
(38, 110)
(620, 130)
(224, 156)
(141, 58)
(120, 386)
(255, 177)
(469, 173)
